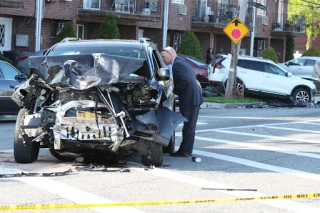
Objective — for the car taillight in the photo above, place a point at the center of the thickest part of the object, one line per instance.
(23, 58)
(217, 65)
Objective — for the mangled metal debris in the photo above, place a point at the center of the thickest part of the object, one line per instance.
(81, 103)
(30, 174)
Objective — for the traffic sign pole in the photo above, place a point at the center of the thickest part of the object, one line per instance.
(236, 31)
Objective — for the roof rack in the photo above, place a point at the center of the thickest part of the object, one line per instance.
(144, 40)
(67, 39)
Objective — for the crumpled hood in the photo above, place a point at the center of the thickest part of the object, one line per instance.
(85, 71)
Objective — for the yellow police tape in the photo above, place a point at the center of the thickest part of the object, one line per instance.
(143, 203)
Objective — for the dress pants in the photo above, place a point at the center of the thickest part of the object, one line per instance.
(189, 128)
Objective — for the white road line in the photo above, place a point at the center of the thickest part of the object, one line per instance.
(198, 123)
(263, 118)
(249, 126)
(292, 129)
(311, 123)
(7, 151)
(267, 136)
(258, 165)
(73, 194)
(282, 204)
(258, 147)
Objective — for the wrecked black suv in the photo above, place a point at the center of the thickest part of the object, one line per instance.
(106, 97)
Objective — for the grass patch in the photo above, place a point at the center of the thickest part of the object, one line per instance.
(231, 100)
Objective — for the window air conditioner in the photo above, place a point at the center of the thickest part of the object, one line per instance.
(265, 20)
(182, 9)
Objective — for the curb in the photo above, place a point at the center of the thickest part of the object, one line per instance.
(209, 105)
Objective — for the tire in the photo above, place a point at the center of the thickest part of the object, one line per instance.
(64, 158)
(172, 143)
(155, 157)
(240, 87)
(24, 151)
(301, 95)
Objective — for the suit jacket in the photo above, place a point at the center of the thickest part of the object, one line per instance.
(186, 85)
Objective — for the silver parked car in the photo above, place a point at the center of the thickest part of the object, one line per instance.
(302, 66)
(10, 77)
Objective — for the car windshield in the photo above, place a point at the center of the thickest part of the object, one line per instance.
(85, 49)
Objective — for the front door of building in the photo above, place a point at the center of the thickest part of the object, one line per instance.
(5, 33)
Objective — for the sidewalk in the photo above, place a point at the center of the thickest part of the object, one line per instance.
(209, 105)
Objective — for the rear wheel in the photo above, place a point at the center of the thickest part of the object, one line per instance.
(155, 155)
(25, 151)
(301, 95)
(240, 88)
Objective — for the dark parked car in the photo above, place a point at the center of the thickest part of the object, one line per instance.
(10, 77)
(24, 60)
(200, 69)
(97, 97)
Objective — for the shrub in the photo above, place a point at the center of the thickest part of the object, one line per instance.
(109, 28)
(312, 51)
(2, 58)
(67, 31)
(289, 47)
(190, 45)
(270, 53)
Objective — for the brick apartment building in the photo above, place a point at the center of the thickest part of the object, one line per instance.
(137, 18)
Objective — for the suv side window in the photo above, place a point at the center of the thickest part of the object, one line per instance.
(310, 62)
(272, 69)
(297, 62)
(251, 65)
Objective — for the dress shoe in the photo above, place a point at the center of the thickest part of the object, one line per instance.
(179, 154)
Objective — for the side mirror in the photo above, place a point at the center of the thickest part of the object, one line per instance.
(289, 74)
(164, 73)
(21, 77)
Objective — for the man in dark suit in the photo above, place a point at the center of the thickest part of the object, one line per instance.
(189, 91)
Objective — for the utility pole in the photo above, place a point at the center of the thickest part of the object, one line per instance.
(165, 23)
(39, 12)
(232, 75)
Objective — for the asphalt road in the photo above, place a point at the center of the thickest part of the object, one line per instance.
(273, 150)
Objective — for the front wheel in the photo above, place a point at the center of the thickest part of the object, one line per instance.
(301, 95)
(155, 155)
(25, 151)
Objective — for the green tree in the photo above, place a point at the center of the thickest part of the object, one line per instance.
(308, 11)
(289, 47)
(67, 31)
(109, 28)
(312, 51)
(190, 45)
(270, 53)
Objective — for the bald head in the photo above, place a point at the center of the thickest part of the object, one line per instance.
(168, 55)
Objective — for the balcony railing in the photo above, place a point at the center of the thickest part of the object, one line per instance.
(215, 12)
(297, 25)
(140, 7)
(11, 3)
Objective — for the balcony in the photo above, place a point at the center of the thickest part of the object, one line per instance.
(215, 14)
(136, 10)
(11, 3)
(294, 28)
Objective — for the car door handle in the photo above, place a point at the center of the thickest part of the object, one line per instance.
(12, 86)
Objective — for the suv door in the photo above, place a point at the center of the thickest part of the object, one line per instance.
(276, 81)
(251, 73)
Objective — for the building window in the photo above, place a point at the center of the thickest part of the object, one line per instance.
(177, 1)
(80, 31)
(91, 4)
(260, 11)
